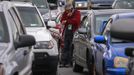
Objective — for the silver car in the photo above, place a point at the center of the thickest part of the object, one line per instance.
(15, 52)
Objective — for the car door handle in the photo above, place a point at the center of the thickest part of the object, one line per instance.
(25, 52)
(92, 45)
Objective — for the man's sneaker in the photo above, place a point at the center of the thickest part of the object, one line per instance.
(62, 65)
(67, 65)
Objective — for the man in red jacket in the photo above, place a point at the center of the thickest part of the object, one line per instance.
(71, 21)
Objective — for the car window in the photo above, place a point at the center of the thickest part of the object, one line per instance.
(30, 17)
(16, 20)
(85, 22)
(15, 30)
(107, 27)
(124, 4)
(99, 19)
(4, 35)
(40, 3)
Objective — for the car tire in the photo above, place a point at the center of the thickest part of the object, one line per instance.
(37, 73)
(90, 65)
(104, 69)
(52, 73)
(77, 68)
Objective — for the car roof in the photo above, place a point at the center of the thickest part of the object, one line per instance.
(122, 15)
(22, 4)
(4, 5)
(110, 11)
(123, 28)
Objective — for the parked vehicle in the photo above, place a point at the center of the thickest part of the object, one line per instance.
(54, 11)
(81, 4)
(45, 51)
(101, 4)
(110, 55)
(126, 33)
(83, 41)
(123, 4)
(15, 52)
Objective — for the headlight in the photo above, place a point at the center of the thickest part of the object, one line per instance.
(79, 5)
(120, 62)
(2, 71)
(44, 45)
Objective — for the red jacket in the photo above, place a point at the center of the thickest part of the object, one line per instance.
(74, 19)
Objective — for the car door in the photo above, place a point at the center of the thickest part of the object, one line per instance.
(100, 49)
(21, 53)
(83, 41)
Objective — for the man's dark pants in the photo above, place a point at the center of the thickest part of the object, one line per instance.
(67, 51)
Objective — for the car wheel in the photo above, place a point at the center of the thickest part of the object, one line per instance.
(104, 69)
(90, 64)
(52, 73)
(37, 73)
(77, 68)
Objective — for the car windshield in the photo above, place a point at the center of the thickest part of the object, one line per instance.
(30, 17)
(81, 0)
(124, 4)
(40, 3)
(4, 35)
(101, 0)
(99, 19)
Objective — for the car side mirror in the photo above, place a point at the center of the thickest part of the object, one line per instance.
(24, 41)
(61, 3)
(100, 39)
(53, 6)
(82, 30)
(51, 24)
(129, 52)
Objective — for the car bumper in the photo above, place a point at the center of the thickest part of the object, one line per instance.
(116, 71)
(43, 62)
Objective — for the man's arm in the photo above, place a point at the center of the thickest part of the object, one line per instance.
(63, 18)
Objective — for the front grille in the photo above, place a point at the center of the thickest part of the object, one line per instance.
(41, 56)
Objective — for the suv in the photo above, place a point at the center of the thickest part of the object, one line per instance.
(45, 51)
(15, 51)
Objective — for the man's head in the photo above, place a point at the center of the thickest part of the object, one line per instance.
(68, 7)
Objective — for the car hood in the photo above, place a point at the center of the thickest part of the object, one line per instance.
(40, 34)
(119, 49)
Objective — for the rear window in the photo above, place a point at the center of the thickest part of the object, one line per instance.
(30, 17)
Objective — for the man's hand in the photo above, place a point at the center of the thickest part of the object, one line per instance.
(63, 22)
(70, 14)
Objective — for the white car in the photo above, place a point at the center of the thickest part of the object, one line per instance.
(45, 51)
(15, 52)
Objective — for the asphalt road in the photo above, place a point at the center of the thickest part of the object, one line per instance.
(69, 71)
